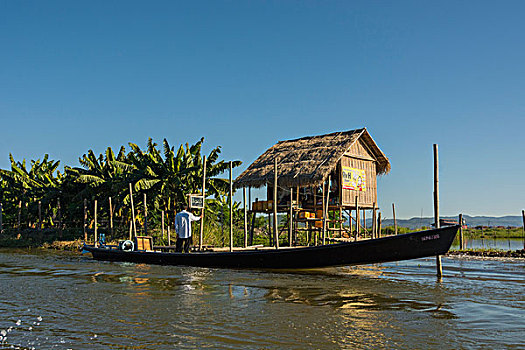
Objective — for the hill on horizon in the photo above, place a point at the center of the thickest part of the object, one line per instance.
(471, 221)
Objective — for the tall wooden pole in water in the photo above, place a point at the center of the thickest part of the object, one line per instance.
(374, 218)
(461, 231)
(379, 225)
(395, 221)
(275, 232)
(439, 270)
(523, 215)
(201, 232)
(357, 224)
(1, 227)
(231, 206)
(325, 214)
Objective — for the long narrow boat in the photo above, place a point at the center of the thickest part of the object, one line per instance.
(392, 248)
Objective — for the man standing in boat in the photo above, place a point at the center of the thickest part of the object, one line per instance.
(183, 228)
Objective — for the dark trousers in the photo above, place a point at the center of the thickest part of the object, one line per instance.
(183, 245)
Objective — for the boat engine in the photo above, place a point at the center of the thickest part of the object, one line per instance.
(127, 246)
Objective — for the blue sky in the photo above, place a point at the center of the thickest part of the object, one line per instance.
(245, 74)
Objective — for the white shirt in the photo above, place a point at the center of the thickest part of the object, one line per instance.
(183, 223)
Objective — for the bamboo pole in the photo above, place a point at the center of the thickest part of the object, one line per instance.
(231, 206)
(39, 215)
(59, 218)
(85, 219)
(169, 233)
(323, 194)
(162, 223)
(364, 220)
(290, 219)
(201, 231)
(96, 238)
(374, 217)
(110, 217)
(132, 211)
(395, 221)
(130, 230)
(439, 270)
(145, 216)
(1, 223)
(245, 217)
(325, 214)
(19, 215)
(461, 231)
(275, 231)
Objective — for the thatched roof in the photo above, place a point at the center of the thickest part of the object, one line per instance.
(309, 160)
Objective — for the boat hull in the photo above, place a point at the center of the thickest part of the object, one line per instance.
(392, 248)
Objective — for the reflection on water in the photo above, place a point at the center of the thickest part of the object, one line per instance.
(63, 301)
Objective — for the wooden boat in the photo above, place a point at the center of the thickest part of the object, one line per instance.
(392, 248)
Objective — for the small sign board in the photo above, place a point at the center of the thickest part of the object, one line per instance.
(196, 201)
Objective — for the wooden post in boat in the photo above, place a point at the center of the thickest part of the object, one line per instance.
(523, 216)
(95, 224)
(395, 221)
(201, 232)
(439, 270)
(460, 231)
(162, 223)
(132, 211)
(145, 216)
(275, 230)
(290, 219)
(245, 217)
(85, 219)
(110, 217)
(231, 207)
(374, 217)
(379, 225)
(357, 223)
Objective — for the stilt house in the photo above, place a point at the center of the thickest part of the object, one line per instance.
(319, 178)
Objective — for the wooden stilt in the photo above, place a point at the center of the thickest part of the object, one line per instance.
(201, 232)
(357, 221)
(19, 215)
(110, 217)
(323, 194)
(231, 206)
(523, 216)
(245, 217)
(374, 217)
(39, 215)
(1, 223)
(439, 270)
(145, 216)
(169, 233)
(460, 231)
(132, 211)
(59, 209)
(395, 221)
(379, 225)
(85, 219)
(162, 223)
(290, 220)
(275, 231)
(95, 224)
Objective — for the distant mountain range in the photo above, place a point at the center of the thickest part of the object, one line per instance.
(471, 221)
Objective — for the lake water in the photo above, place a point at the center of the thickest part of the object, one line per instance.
(65, 301)
(491, 243)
